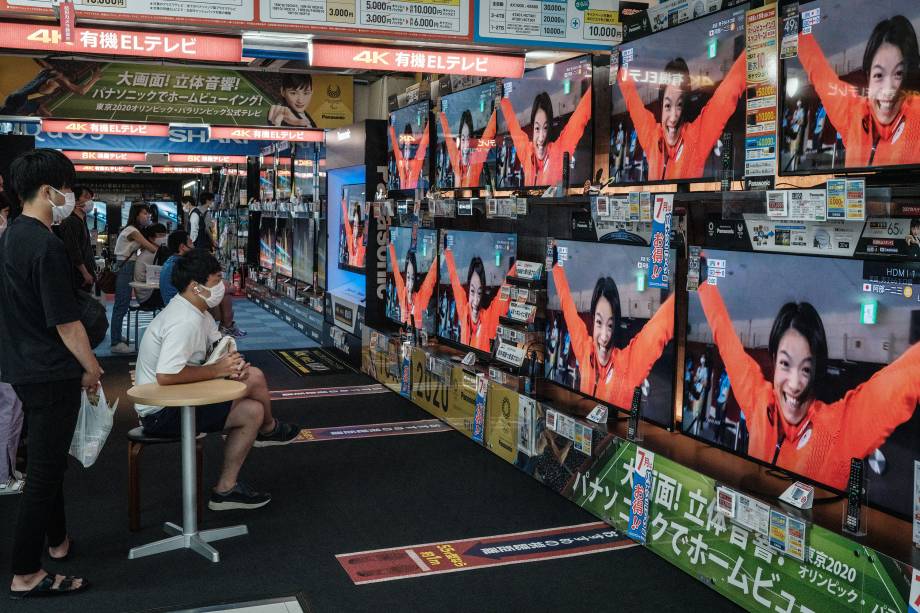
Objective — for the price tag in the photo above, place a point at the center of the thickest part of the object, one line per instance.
(602, 206)
(510, 354)
(531, 271)
(520, 205)
(777, 203)
(598, 414)
(465, 208)
(524, 313)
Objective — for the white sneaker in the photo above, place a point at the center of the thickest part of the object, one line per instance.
(122, 348)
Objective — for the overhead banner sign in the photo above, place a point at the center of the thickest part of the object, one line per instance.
(276, 134)
(178, 141)
(117, 157)
(332, 55)
(104, 41)
(104, 127)
(221, 11)
(579, 24)
(173, 94)
(157, 170)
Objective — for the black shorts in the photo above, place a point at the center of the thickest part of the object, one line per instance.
(166, 422)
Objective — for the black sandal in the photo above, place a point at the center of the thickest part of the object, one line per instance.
(45, 588)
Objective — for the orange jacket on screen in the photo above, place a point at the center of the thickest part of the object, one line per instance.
(422, 296)
(355, 252)
(896, 143)
(821, 445)
(627, 367)
(410, 170)
(549, 171)
(697, 138)
(468, 176)
(474, 335)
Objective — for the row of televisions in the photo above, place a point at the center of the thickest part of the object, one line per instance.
(779, 368)
(848, 102)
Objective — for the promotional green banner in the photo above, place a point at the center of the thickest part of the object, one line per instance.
(686, 528)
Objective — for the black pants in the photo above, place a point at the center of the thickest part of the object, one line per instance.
(51, 411)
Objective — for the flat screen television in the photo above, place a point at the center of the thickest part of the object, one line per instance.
(805, 375)
(544, 120)
(284, 248)
(304, 249)
(167, 213)
(353, 228)
(412, 277)
(849, 101)
(677, 95)
(465, 142)
(407, 147)
(99, 216)
(607, 332)
(266, 185)
(267, 242)
(473, 268)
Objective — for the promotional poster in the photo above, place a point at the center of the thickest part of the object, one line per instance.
(473, 268)
(465, 144)
(544, 126)
(608, 332)
(807, 376)
(412, 275)
(677, 109)
(408, 143)
(849, 99)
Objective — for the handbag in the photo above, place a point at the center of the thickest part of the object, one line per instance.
(93, 317)
(107, 280)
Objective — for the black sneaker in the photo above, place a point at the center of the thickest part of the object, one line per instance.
(240, 497)
(283, 434)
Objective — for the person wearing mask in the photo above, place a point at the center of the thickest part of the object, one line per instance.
(199, 223)
(187, 205)
(149, 299)
(47, 359)
(178, 244)
(77, 240)
(173, 352)
(129, 242)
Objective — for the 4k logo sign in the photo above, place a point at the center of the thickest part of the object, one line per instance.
(372, 57)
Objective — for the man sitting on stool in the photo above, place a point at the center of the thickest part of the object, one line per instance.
(172, 351)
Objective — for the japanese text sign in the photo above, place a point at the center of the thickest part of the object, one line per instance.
(331, 55)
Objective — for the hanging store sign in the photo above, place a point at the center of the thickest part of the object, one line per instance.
(157, 170)
(174, 46)
(276, 134)
(106, 156)
(197, 158)
(207, 11)
(103, 168)
(551, 23)
(331, 55)
(101, 127)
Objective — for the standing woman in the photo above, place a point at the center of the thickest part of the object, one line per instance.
(478, 323)
(540, 156)
(408, 167)
(411, 302)
(129, 241)
(606, 372)
(882, 127)
(676, 148)
(465, 160)
(788, 425)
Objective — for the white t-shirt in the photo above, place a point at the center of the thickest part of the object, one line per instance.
(125, 248)
(179, 336)
(144, 260)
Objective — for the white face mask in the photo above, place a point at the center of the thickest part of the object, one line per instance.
(60, 212)
(88, 207)
(216, 295)
(161, 241)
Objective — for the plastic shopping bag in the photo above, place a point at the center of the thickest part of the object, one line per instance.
(93, 426)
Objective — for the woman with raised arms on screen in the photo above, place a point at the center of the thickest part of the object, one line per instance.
(541, 157)
(409, 167)
(478, 322)
(354, 235)
(882, 127)
(411, 302)
(465, 159)
(788, 426)
(676, 148)
(605, 372)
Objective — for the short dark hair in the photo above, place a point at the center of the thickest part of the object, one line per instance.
(152, 230)
(545, 103)
(205, 197)
(188, 199)
(899, 32)
(606, 287)
(677, 66)
(915, 223)
(176, 239)
(136, 209)
(477, 267)
(410, 259)
(466, 117)
(79, 190)
(32, 169)
(297, 80)
(196, 265)
(804, 319)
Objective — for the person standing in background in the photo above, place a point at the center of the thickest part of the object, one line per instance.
(47, 359)
(199, 223)
(75, 234)
(129, 242)
(10, 407)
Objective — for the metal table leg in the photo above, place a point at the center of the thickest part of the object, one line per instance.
(188, 537)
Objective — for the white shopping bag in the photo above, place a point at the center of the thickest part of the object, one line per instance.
(93, 426)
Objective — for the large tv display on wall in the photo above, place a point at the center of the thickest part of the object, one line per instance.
(407, 147)
(607, 332)
(678, 101)
(465, 143)
(850, 96)
(804, 376)
(544, 126)
(412, 277)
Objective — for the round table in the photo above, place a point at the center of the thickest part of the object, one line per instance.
(186, 397)
(142, 285)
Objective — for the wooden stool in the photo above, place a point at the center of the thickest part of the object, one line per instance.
(137, 440)
(187, 397)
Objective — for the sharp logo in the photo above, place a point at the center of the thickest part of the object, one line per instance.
(333, 92)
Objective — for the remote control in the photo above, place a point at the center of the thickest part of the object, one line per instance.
(854, 495)
(632, 426)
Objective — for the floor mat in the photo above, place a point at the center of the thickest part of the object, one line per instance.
(310, 362)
